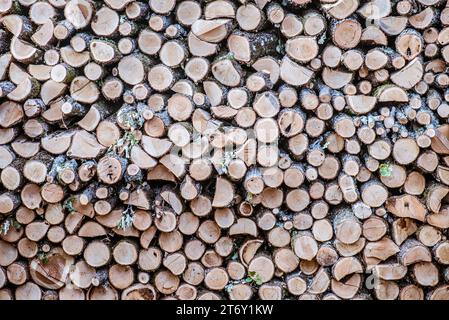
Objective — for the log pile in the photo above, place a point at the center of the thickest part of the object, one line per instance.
(224, 149)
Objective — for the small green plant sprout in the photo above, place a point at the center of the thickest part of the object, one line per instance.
(385, 170)
(68, 204)
(326, 145)
(249, 196)
(254, 277)
(43, 257)
(127, 219)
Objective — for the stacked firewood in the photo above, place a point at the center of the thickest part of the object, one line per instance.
(224, 149)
